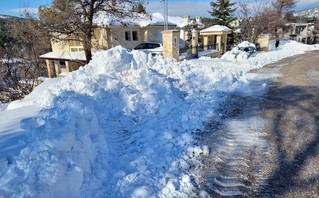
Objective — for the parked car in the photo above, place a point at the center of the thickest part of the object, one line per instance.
(154, 48)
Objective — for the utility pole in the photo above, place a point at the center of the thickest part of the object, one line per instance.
(165, 14)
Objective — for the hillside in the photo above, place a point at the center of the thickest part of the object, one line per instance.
(8, 17)
(313, 12)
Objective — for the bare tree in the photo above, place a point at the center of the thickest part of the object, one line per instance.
(265, 19)
(254, 21)
(21, 44)
(74, 19)
(34, 42)
(276, 20)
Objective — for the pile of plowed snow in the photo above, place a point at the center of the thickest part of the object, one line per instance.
(121, 126)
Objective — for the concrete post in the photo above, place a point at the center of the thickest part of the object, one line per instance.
(213, 41)
(225, 43)
(171, 44)
(57, 68)
(206, 42)
(195, 43)
(219, 43)
(50, 68)
(68, 66)
(194, 38)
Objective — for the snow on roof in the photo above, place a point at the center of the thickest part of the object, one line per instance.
(141, 20)
(216, 28)
(65, 55)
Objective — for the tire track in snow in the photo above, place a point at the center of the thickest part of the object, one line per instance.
(238, 163)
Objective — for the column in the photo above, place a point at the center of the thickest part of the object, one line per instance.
(206, 42)
(219, 38)
(195, 43)
(50, 68)
(171, 44)
(57, 68)
(224, 42)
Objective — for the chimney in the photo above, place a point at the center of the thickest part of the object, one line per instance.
(187, 19)
(198, 19)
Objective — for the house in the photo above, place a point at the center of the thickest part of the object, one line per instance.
(300, 31)
(67, 56)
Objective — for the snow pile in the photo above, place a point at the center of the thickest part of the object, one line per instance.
(237, 53)
(286, 48)
(246, 44)
(122, 126)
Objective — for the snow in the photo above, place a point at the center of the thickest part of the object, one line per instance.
(65, 55)
(122, 126)
(141, 20)
(286, 48)
(207, 52)
(216, 28)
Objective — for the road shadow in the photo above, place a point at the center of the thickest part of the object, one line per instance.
(293, 113)
(292, 133)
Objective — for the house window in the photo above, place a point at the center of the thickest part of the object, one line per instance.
(75, 46)
(62, 65)
(131, 35)
(299, 29)
(135, 35)
(128, 35)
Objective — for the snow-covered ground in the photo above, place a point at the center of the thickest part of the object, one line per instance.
(122, 126)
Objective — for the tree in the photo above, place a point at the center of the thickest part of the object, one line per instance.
(9, 47)
(315, 34)
(276, 19)
(222, 12)
(21, 44)
(141, 9)
(254, 21)
(74, 19)
(34, 42)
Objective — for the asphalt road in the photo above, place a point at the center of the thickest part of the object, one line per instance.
(268, 143)
(292, 107)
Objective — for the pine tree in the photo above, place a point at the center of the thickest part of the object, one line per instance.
(141, 9)
(222, 12)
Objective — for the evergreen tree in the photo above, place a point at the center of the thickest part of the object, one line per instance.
(222, 12)
(141, 9)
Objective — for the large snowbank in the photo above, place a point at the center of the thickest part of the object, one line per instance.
(122, 126)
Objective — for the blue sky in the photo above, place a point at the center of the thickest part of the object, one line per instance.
(176, 7)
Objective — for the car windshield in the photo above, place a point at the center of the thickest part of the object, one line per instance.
(141, 46)
(147, 46)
